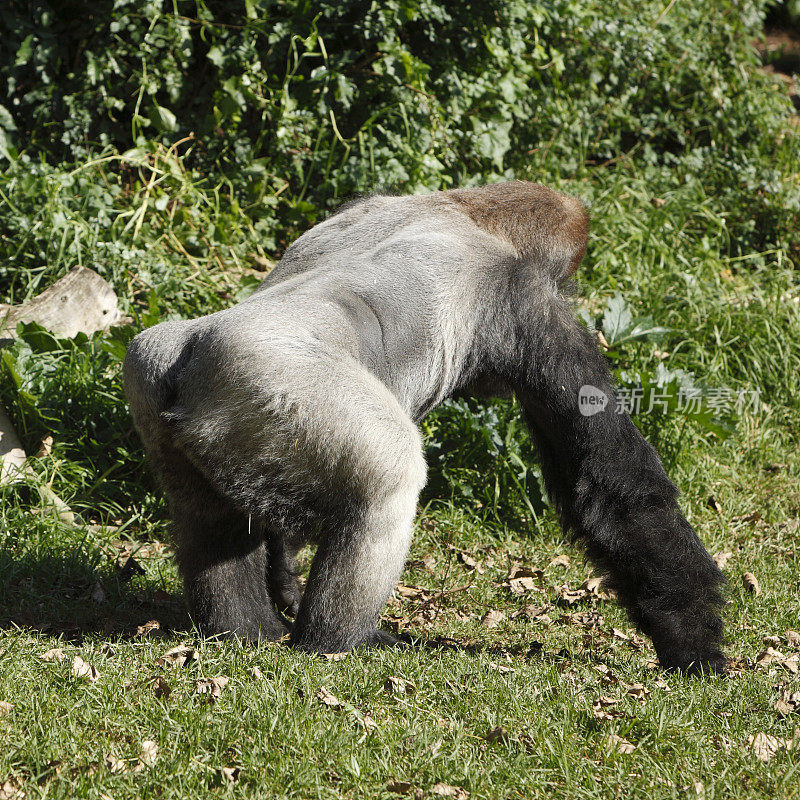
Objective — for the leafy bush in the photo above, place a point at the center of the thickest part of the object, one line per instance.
(294, 106)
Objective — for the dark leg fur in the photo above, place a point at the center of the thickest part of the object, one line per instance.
(611, 490)
(221, 555)
(282, 580)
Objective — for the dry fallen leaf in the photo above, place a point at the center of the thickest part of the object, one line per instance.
(330, 700)
(523, 579)
(498, 734)
(788, 703)
(179, 656)
(5, 708)
(522, 584)
(765, 746)
(82, 669)
(562, 560)
(429, 562)
(335, 656)
(230, 774)
(148, 752)
(9, 790)
(619, 744)
(604, 708)
(45, 447)
(395, 685)
(722, 558)
(750, 583)
(468, 561)
(256, 673)
(408, 592)
(571, 596)
(161, 689)
(116, 765)
(771, 655)
(792, 638)
(56, 654)
(594, 587)
(503, 669)
(491, 619)
(446, 790)
(151, 629)
(637, 690)
(211, 686)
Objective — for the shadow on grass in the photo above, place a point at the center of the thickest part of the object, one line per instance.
(65, 595)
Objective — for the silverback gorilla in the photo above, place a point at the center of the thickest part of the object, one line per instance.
(291, 419)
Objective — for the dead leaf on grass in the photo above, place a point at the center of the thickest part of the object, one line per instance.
(335, 656)
(10, 790)
(605, 708)
(722, 558)
(446, 790)
(327, 698)
(523, 579)
(180, 656)
(151, 630)
(82, 669)
(765, 747)
(255, 672)
(148, 752)
(212, 687)
(5, 708)
(503, 669)
(562, 560)
(637, 690)
(750, 583)
(571, 596)
(620, 745)
(230, 774)
(55, 654)
(395, 685)
(468, 561)
(115, 765)
(788, 703)
(491, 619)
(771, 655)
(161, 689)
(792, 638)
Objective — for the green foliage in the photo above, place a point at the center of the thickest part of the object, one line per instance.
(172, 146)
(295, 106)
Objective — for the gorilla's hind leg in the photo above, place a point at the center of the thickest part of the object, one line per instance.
(222, 558)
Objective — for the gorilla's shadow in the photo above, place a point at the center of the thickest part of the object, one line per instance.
(65, 595)
(77, 593)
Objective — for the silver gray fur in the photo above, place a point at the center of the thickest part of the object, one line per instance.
(291, 418)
